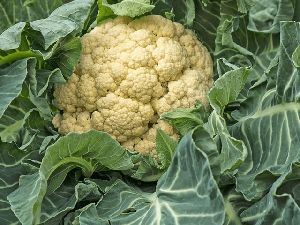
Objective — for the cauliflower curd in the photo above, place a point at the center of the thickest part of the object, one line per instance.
(129, 73)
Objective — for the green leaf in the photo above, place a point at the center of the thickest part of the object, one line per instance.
(265, 15)
(12, 166)
(34, 186)
(186, 194)
(15, 45)
(14, 11)
(208, 145)
(280, 205)
(268, 119)
(88, 151)
(190, 13)
(202, 18)
(66, 56)
(227, 88)
(234, 41)
(97, 147)
(11, 38)
(181, 11)
(46, 141)
(44, 78)
(272, 138)
(89, 216)
(105, 12)
(235, 204)
(206, 22)
(245, 5)
(146, 168)
(57, 204)
(185, 119)
(288, 77)
(165, 147)
(224, 66)
(17, 125)
(53, 35)
(262, 67)
(69, 18)
(131, 8)
(39, 84)
(11, 81)
(296, 5)
(14, 119)
(296, 57)
(232, 151)
(36, 133)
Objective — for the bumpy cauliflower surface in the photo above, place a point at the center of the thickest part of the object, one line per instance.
(129, 73)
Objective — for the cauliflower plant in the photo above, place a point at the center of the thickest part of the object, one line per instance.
(129, 73)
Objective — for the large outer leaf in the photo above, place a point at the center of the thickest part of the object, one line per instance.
(266, 15)
(63, 21)
(234, 205)
(11, 81)
(40, 83)
(296, 5)
(206, 22)
(186, 194)
(269, 126)
(11, 38)
(36, 134)
(296, 57)
(225, 90)
(232, 151)
(48, 37)
(14, 45)
(14, 11)
(59, 203)
(14, 119)
(272, 137)
(234, 41)
(262, 65)
(87, 151)
(288, 77)
(20, 122)
(208, 145)
(12, 166)
(280, 205)
(130, 8)
(66, 55)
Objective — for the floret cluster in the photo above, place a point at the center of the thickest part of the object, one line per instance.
(129, 73)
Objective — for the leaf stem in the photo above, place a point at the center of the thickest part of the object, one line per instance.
(87, 167)
(19, 55)
(230, 211)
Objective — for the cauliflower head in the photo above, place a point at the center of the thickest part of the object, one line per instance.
(129, 73)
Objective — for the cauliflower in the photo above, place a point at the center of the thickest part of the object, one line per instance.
(129, 73)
